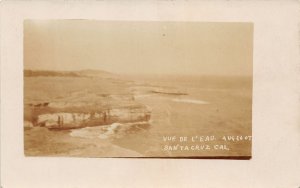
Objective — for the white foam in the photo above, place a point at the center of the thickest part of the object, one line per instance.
(192, 101)
(102, 132)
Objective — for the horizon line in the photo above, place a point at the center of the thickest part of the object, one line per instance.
(144, 73)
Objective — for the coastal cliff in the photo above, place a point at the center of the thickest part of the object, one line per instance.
(61, 100)
(62, 119)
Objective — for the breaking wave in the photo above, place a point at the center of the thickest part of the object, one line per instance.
(114, 130)
(193, 101)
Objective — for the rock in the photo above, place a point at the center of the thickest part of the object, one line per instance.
(67, 120)
(28, 124)
(110, 103)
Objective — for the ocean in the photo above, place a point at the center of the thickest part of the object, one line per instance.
(191, 116)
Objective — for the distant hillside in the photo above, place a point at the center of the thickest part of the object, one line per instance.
(90, 72)
(82, 73)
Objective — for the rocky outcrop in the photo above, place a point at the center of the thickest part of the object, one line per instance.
(59, 118)
(28, 124)
(55, 100)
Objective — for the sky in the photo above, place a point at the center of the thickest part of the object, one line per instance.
(139, 47)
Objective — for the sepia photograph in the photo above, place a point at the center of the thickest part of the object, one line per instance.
(153, 89)
(168, 93)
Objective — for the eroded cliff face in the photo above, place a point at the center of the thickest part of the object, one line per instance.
(104, 117)
(62, 119)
